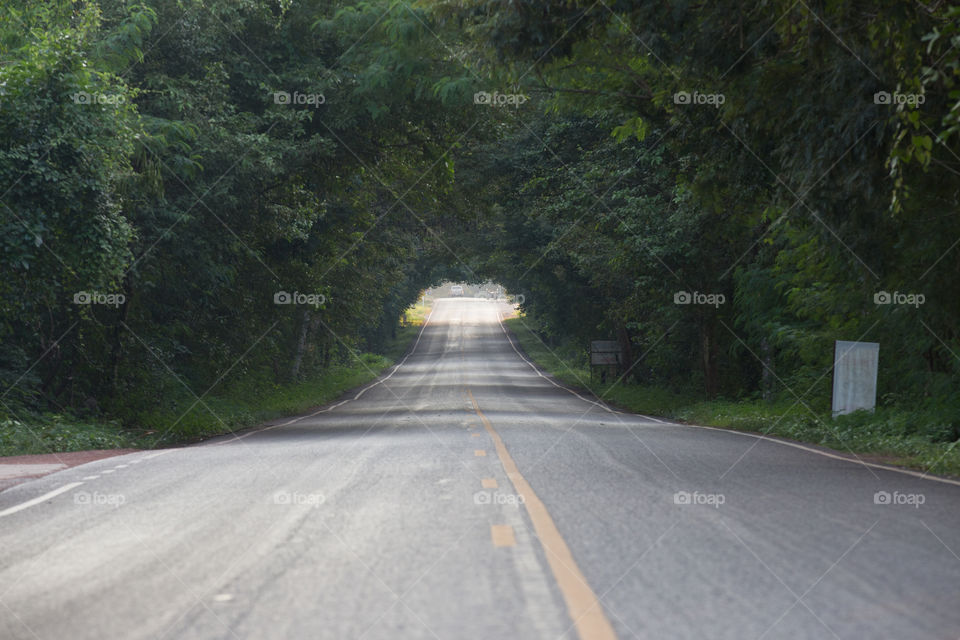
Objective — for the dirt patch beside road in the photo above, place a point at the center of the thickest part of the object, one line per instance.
(17, 469)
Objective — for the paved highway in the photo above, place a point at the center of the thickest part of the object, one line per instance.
(465, 495)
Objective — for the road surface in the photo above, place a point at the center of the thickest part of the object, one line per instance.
(467, 496)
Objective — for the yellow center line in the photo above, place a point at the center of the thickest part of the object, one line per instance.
(489, 483)
(480, 452)
(583, 606)
(502, 535)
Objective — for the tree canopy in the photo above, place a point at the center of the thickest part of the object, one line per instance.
(193, 191)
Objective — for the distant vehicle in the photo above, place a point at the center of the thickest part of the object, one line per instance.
(456, 290)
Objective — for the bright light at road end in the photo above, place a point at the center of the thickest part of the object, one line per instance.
(488, 290)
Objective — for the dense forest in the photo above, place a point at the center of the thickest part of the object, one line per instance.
(206, 193)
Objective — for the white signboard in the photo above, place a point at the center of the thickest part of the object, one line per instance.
(855, 376)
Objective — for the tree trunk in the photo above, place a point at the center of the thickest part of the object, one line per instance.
(116, 347)
(709, 356)
(628, 368)
(768, 375)
(301, 346)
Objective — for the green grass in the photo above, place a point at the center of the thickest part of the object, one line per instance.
(910, 437)
(51, 433)
(182, 420)
(417, 314)
(251, 402)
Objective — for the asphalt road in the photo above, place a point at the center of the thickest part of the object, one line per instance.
(467, 496)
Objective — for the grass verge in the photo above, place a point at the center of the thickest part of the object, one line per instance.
(906, 437)
(182, 420)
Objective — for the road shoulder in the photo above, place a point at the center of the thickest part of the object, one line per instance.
(15, 470)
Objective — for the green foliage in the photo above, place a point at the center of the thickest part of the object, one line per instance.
(181, 419)
(924, 439)
(43, 434)
(230, 151)
(193, 194)
(778, 196)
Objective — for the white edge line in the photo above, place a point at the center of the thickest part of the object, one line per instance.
(381, 380)
(560, 386)
(775, 440)
(68, 487)
(39, 499)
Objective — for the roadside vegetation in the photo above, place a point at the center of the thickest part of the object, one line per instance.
(183, 419)
(416, 314)
(905, 437)
(205, 198)
(182, 225)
